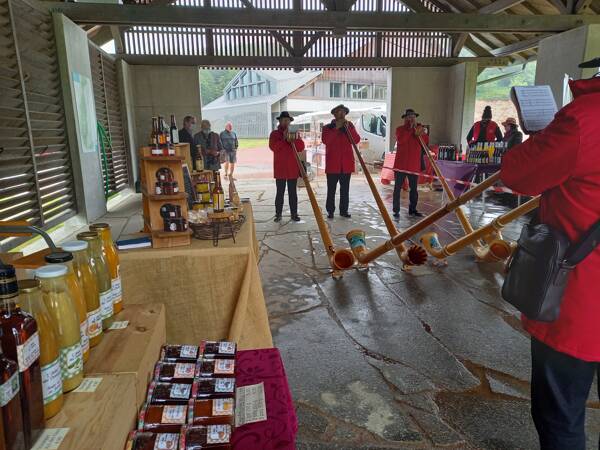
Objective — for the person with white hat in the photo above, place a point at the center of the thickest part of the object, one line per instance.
(512, 135)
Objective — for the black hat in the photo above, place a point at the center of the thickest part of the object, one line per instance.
(345, 108)
(591, 64)
(408, 112)
(487, 113)
(285, 115)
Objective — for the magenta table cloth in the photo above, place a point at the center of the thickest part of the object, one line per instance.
(278, 432)
(458, 170)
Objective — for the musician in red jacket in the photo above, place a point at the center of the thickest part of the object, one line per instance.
(409, 158)
(486, 130)
(339, 158)
(562, 163)
(285, 166)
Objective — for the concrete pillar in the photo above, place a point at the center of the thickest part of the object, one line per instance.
(443, 96)
(559, 56)
(78, 95)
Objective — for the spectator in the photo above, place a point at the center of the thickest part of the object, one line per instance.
(486, 130)
(210, 146)
(186, 136)
(512, 135)
(230, 144)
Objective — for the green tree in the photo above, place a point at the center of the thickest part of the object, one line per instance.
(500, 89)
(212, 83)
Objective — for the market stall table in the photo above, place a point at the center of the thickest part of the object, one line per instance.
(467, 172)
(209, 292)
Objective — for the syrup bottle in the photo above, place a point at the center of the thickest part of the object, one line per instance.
(21, 342)
(10, 405)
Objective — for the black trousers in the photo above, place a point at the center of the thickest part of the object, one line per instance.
(292, 195)
(332, 180)
(414, 194)
(560, 385)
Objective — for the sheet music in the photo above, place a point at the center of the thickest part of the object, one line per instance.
(537, 106)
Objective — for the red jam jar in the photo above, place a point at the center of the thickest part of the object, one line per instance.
(146, 440)
(179, 353)
(216, 368)
(162, 418)
(218, 349)
(183, 372)
(169, 393)
(213, 388)
(216, 411)
(212, 437)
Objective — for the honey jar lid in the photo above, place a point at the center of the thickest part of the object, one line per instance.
(74, 246)
(59, 257)
(29, 285)
(51, 271)
(87, 236)
(99, 226)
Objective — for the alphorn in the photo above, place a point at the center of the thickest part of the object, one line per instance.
(339, 259)
(496, 250)
(415, 255)
(481, 247)
(357, 237)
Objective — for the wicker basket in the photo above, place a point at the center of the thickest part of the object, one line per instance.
(217, 229)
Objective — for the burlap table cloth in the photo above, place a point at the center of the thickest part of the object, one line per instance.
(209, 292)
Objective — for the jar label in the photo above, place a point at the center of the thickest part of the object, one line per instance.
(166, 441)
(184, 370)
(94, 323)
(218, 434)
(227, 348)
(174, 414)
(71, 361)
(181, 391)
(116, 290)
(224, 385)
(224, 366)
(85, 339)
(28, 352)
(188, 351)
(51, 381)
(106, 304)
(9, 389)
(222, 407)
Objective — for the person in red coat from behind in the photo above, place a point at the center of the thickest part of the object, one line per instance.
(410, 159)
(339, 159)
(562, 163)
(285, 166)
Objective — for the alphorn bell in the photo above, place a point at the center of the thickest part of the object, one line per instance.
(339, 259)
(369, 256)
(415, 255)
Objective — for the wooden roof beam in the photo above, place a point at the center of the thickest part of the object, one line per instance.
(498, 6)
(518, 47)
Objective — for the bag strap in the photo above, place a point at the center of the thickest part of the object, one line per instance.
(586, 245)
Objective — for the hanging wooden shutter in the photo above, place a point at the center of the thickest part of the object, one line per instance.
(36, 180)
(115, 168)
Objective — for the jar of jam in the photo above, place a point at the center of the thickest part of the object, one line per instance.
(218, 349)
(146, 440)
(162, 418)
(215, 411)
(198, 437)
(213, 388)
(175, 372)
(179, 353)
(169, 393)
(216, 368)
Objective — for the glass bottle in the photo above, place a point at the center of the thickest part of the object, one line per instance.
(77, 296)
(109, 251)
(30, 299)
(102, 274)
(66, 322)
(218, 196)
(87, 280)
(21, 343)
(10, 405)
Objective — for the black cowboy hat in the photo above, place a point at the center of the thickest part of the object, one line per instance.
(410, 111)
(345, 108)
(591, 64)
(285, 115)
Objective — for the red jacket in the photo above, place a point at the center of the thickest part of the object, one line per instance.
(408, 149)
(563, 164)
(492, 133)
(285, 166)
(339, 154)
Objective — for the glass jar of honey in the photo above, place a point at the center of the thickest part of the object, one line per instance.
(11, 419)
(198, 437)
(215, 411)
(77, 296)
(66, 322)
(102, 274)
(30, 299)
(87, 279)
(146, 440)
(162, 418)
(112, 260)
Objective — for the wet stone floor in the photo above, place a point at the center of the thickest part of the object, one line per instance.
(386, 359)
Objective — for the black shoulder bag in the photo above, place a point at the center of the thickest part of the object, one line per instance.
(539, 269)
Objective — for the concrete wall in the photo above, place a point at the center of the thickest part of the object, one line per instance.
(164, 90)
(559, 55)
(443, 96)
(73, 56)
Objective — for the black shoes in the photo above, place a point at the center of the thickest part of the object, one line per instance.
(396, 215)
(415, 214)
(330, 215)
(296, 218)
(277, 219)
(346, 215)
